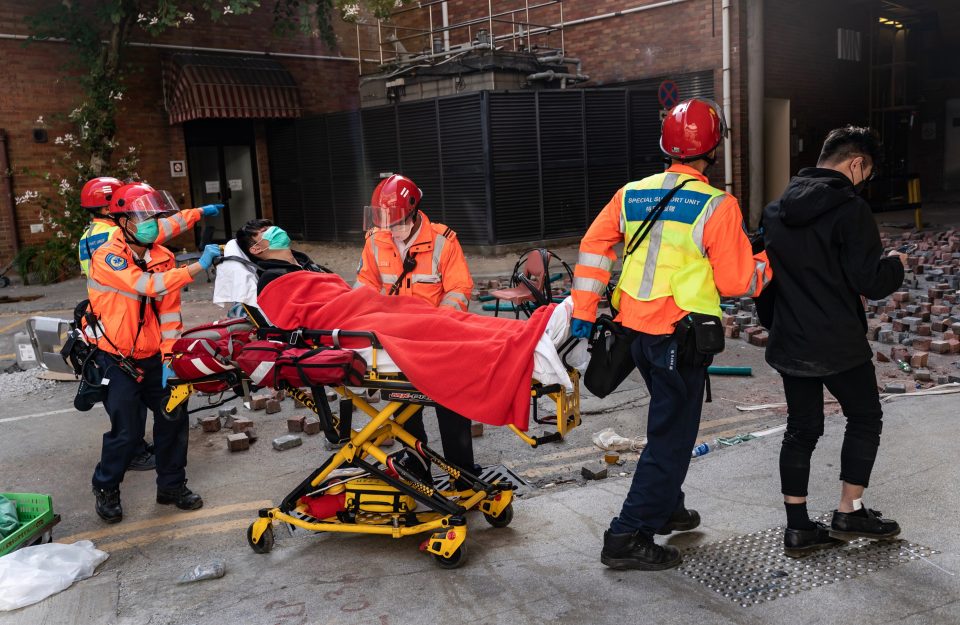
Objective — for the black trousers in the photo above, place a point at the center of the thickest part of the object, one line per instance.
(126, 402)
(454, 435)
(673, 420)
(856, 390)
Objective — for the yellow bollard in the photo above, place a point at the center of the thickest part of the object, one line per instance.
(913, 200)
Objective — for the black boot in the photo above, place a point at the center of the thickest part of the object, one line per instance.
(108, 504)
(635, 550)
(145, 461)
(682, 520)
(181, 496)
(864, 523)
(797, 543)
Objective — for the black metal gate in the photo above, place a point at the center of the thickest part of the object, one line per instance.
(497, 167)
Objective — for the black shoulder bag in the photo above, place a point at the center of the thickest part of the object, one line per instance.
(611, 360)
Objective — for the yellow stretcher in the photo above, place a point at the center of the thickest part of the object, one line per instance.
(375, 491)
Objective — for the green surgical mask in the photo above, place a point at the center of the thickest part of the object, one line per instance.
(277, 238)
(147, 231)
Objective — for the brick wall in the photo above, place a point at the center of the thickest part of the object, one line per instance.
(36, 84)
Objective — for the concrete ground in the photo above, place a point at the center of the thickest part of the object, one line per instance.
(544, 567)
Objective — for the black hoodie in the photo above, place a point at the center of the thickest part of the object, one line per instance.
(825, 251)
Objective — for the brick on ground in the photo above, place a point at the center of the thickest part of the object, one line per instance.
(919, 359)
(311, 425)
(295, 424)
(210, 424)
(241, 424)
(238, 442)
(273, 406)
(288, 441)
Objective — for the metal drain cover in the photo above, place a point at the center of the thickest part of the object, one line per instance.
(752, 569)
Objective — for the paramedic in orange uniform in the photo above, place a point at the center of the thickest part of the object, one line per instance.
(407, 254)
(134, 291)
(700, 229)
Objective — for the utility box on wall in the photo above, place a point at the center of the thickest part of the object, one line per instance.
(497, 167)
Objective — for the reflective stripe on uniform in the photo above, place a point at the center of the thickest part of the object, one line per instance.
(650, 265)
(180, 221)
(595, 260)
(169, 334)
(166, 228)
(698, 228)
(452, 297)
(429, 278)
(159, 284)
(591, 285)
(388, 278)
(141, 284)
(358, 284)
(438, 245)
(96, 286)
(170, 317)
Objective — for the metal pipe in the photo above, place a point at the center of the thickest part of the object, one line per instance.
(727, 107)
(168, 46)
(603, 16)
(755, 110)
(446, 23)
(433, 55)
(552, 75)
(562, 47)
(6, 197)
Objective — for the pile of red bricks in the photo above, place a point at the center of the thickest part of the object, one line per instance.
(921, 321)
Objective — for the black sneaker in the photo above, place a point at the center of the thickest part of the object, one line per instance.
(864, 523)
(635, 550)
(798, 543)
(108, 504)
(682, 520)
(181, 496)
(146, 461)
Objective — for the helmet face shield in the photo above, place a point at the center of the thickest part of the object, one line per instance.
(151, 205)
(384, 217)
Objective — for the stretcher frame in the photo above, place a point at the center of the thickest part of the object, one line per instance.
(445, 515)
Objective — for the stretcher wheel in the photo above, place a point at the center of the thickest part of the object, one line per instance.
(505, 518)
(456, 559)
(266, 540)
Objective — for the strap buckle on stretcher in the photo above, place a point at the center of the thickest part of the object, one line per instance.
(295, 336)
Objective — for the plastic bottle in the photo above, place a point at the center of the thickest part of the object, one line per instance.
(700, 450)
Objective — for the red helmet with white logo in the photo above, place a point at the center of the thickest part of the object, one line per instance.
(394, 200)
(692, 129)
(139, 202)
(96, 193)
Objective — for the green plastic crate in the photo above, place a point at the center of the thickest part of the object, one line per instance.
(35, 512)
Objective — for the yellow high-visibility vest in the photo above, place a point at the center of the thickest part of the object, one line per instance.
(671, 260)
(97, 233)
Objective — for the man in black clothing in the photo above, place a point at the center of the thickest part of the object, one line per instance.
(825, 251)
(268, 246)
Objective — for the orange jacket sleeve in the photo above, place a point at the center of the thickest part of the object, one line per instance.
(737, 271)
(170, 320)
(368, 273)
(596, 259)
(175, 225)
(457, 282)
(112, 268)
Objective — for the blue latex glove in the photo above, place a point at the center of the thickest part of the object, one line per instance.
(210, 251)
(581, 329)
(166, 375)
(211, 210)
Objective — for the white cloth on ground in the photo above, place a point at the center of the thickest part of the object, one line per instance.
(34, 573)
(235, 282)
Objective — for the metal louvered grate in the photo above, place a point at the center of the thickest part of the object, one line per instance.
(562, 163)
(607, 147)
(752, 569)
(514, 156)
(420, 153)
(466, 206)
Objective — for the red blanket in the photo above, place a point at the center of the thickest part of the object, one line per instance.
(477, 366)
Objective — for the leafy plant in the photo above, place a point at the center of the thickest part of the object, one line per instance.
(99, 32)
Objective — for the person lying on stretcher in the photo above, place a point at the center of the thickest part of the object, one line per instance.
(478, 366)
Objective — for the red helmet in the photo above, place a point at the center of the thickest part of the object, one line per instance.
(96, 192)
(692, 129)
(394, 200)
(139, 201)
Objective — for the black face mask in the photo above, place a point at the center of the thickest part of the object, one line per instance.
(860, 186)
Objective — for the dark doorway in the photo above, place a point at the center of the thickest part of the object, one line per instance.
(223, 169)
